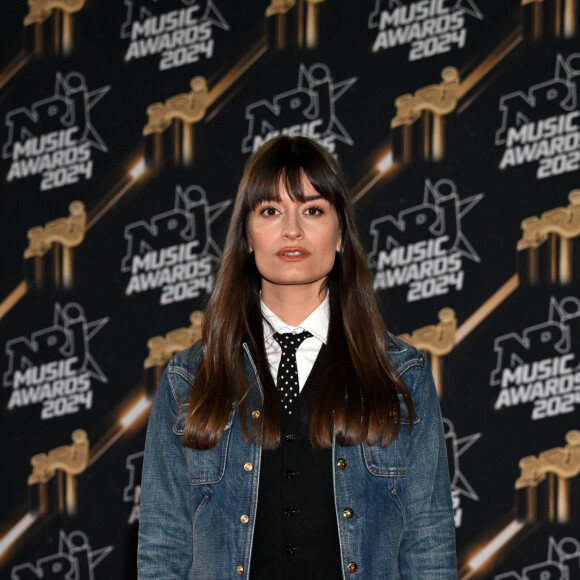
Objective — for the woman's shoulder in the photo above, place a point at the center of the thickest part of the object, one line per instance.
(407, 360)
(181, 371)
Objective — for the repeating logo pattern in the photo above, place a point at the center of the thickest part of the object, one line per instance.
(539, 365)
(174, 252)
(422, 248)
(540, 124)
(399, 106)
(178, 37)
(308, 110)
(54, 137)
(428, 27)
(53, 367)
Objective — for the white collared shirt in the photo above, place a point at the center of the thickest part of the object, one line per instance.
(316, 323)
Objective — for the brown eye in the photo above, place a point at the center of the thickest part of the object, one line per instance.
(268, 211)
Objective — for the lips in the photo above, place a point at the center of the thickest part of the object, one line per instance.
(293, 253)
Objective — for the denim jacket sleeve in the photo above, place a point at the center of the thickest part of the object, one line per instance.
(427, 549)
(165, 529)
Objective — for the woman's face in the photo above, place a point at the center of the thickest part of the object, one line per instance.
(294, 243)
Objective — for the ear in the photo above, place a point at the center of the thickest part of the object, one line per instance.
(339, 244)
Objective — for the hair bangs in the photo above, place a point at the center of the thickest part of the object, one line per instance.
(288, 179)
(284, 165)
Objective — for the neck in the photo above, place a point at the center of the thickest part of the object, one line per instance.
(292, 304)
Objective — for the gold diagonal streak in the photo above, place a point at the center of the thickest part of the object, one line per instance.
(488, 64)
(366, 183)
(134, 414)
(115, 193)
(373, 176)
(486, 308)
(236, 72)
(13, 67)
(13, 298)
(12, 535)
(505, 536)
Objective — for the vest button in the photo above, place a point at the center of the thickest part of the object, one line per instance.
(341, 463)
(248, 466)
(244, 519)
(240, 569)
(255, 414)
(290, 512)
(291, 549)
(352, 567)
(348, 513)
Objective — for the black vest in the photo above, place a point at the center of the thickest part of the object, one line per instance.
(296, 533)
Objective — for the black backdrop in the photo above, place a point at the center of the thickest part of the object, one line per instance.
(124, 128)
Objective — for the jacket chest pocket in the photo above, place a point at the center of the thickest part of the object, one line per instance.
(390, 461)
(204, 466)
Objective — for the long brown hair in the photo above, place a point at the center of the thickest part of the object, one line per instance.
(359, 395)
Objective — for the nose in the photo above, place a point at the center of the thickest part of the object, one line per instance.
(292, 226)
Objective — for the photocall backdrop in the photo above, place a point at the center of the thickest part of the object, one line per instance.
(124, 129)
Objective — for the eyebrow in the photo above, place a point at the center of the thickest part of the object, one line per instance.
(306, 199)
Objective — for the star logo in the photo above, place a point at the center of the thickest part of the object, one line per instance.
(311, 106)
(69, 107)
(69, 336)
(441, 213)
(456, 447)
(190, 220)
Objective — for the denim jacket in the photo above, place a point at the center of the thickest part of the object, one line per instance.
(198, 508)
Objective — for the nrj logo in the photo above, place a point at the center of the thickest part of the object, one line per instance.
(562, 563)
(54, 367)
(430, 27)
(540, 124)
(75, 560)
(539, 365)
(307, 110)
(54, 137)
(423, 247)
(460, 487)
(132, 491)
(180, 36)
(174, 250)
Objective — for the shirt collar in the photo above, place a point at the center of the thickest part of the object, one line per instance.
(316, 323)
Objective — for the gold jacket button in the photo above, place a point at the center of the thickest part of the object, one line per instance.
(244, 519)
(255, 414)
(348, 513)
(240, 569)
(248, 466)
(341, 463)
(352, 567)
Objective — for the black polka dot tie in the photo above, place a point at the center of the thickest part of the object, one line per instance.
(287, 379)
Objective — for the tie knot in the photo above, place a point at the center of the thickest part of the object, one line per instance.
(289, 341)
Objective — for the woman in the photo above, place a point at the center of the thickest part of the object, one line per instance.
(321, 459)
